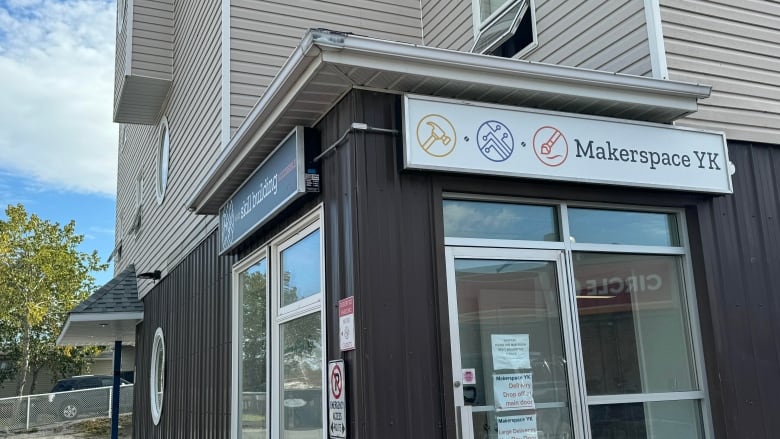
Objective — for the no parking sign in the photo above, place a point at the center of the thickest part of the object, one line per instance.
(337, 408)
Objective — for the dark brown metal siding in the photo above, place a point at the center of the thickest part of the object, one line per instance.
(192, 306)
(740, 247)
(380, 247)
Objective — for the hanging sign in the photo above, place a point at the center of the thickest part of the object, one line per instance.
(347, 324)
(513, 391)
(478, 138)
(337, 407)
(517, 427)
(510, 351)
(276, 183)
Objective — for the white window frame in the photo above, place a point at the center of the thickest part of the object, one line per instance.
(681, 250)
(158, 348)
(162, 169)
(277, 316)
(481, 25)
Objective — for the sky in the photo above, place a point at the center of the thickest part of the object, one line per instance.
(58, 144)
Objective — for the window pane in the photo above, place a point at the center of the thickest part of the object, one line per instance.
(252, 285)
(301, 269)
(301, 406)
(487, 7)
(651, 420)
(474, 219)
(633, 323)
(597, 226)
(509, 325)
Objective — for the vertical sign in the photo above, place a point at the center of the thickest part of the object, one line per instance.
(347, 323)
(337, 408)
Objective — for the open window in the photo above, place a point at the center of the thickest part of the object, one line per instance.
(504, 28)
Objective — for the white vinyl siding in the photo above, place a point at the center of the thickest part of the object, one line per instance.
(448, 24)
(264, 34)
(599, 35)
(168, 231)
(152, 45)
(734, 47)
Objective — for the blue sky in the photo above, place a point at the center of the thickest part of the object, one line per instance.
(58, 145)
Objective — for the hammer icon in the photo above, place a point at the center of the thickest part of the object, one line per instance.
(437, 133)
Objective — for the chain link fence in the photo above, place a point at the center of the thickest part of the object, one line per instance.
(34, 411)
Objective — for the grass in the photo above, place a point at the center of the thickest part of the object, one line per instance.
(102, 427)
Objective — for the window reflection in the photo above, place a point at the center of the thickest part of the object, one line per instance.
(301, 398)
(252, 284)
(633, 323)
(301, 269)
(476, 219)
(598, 226)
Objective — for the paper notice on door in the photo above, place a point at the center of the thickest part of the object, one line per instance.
(517, 427)
(510, 351)
(513, 391)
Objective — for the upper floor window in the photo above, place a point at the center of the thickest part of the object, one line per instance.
(163, 151)
(504, 28)
(121, 7)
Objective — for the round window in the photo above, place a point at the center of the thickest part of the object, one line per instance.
(163, 151)
(157, 375)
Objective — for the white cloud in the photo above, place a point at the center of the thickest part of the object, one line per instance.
(56, 93)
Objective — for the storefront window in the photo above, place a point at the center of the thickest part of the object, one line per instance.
(489, 220)
(620, 280)
(253, 409)
(601, 226)
(278, 365)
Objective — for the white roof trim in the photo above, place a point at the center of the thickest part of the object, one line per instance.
(320, 48)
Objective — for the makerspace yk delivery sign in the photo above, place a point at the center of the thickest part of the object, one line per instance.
(478, 138)
(513, 391)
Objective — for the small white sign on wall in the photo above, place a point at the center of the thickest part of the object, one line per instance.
(347, 323)
(517, 427)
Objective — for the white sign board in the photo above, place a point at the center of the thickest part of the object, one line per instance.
(517, 427)
(477, 138)
(513, 391)
(347, 323)
(337, 407)
(510, 351)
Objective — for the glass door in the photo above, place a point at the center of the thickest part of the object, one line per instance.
(510, 368)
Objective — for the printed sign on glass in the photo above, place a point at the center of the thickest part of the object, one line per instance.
(513, 391)
(478, 138)
(510, 351)
(517, 427)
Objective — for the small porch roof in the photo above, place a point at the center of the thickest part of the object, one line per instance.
(110, 314)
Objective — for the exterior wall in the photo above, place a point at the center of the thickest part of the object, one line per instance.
(379, 247)
(167, 231)
(733, 46)
(599, 35)
(740, 248)
(152, 42)
(264, 34)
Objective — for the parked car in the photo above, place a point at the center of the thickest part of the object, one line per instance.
(74, 396)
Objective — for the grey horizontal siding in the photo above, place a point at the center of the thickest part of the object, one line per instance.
(152, 39)
(168, 231)
(264, 34)
(448, 24)
(734, 47)
(599, 35)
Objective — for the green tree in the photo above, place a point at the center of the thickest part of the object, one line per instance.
(43, 275)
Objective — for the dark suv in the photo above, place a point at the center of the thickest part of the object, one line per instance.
(77, 395)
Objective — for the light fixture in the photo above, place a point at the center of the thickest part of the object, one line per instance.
(153, 275)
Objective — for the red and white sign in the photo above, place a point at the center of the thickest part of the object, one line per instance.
(337, 407)
(347, 324)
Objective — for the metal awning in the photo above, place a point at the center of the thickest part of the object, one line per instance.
(109, 315)
(326, 65)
